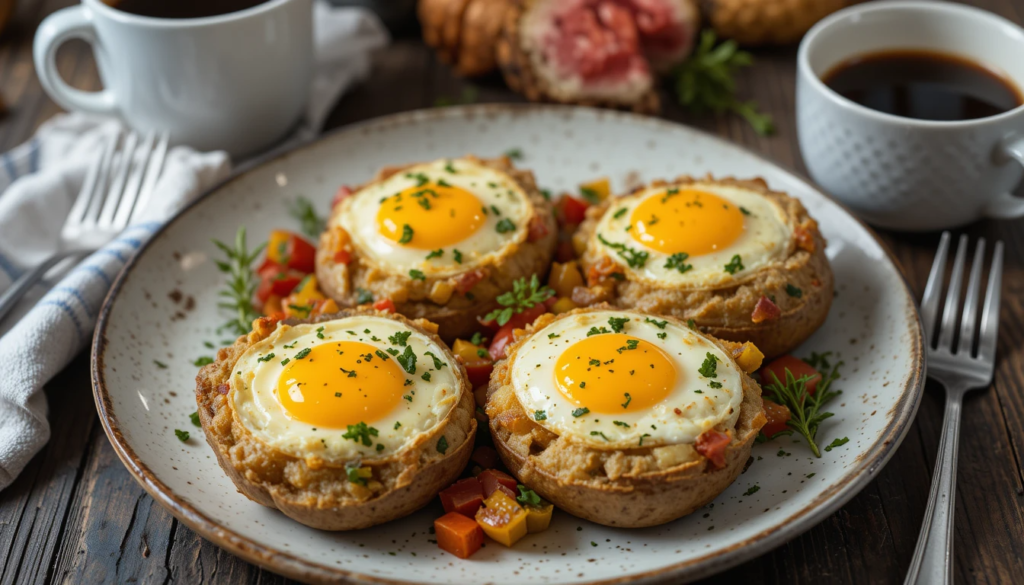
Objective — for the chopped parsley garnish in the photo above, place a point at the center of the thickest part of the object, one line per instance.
(630, 345)
(837, 443)
(360, 432)
(450, 168)
(397, 424)
(580, 412)
(734, 265)
(619, 423)
(435, 253)
(285, 361)
(514, 153)
(480, 352)
(752, 490)
(406, 396)
(421, 179)
(527, 496)
(596, 331)
(677, 261)
(304, 309)
(495, 209)
(691, 324)
(320, 332)
(583, 384)
(618, 323)
(363, 296)
(438, 364)
(355, 475)
(349, 373)
(504, 226)
(423, 202)
(266, 358)
(633, 258)
(594, 362)
(408, 360)
(662, 335)
(457, 255)
(380, 447)
(794, 291)
(628, 400)
(417, 274)
(698, 391)
(203, 361)
(656, 323)
(406, 234)
(194, 417)
(478, 338)
(400, 338)
(303, 353)
(442, 445)
(590, 195)
(715, 385)
(618, 214)
(160, 364)
(392, 351)
(540, 415)
(383, 356)
(553, 335)
(524, 295)
(426, 376)
(745, 211)
(182, 435)
(600, 434)
(642, 438)
(709, 369)
(312, 224)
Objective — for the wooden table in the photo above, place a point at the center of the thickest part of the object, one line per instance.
(75, 514)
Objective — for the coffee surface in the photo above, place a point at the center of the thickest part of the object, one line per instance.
(182, 8)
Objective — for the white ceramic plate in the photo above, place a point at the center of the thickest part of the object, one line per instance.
(873, 327)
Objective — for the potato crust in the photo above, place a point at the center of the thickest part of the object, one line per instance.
(725, 312)
(312, 491)
(631, 488)
(457, 316)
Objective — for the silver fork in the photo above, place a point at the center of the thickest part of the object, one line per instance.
(117, 185)
(959, 369)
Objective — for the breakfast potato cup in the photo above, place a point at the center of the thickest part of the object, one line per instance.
(774, 295)
(311, 486)
(438, 241)
(635, 484)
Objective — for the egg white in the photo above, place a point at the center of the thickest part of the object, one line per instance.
(533, 378)
(765, 238)
(494, 188)
(257, 408)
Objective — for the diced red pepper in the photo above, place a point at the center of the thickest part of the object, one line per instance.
(565, 252)
(342, 192)
(796, 366)
(538, 229)
(287, 249)
(276, 280)
(342, 257)
(485, 456)
(804, 239)
(468, 280)
(479, 372)
(712, 444)
(765, 310)
(502, 339)
(571, 211)
(777, 416)
(458, 534)
(464, 496)
(385, 305)
(492, 479)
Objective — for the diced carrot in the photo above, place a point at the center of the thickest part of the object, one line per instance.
(485, 456)
(458, 535)
(493, 480)
(502, 518)
(712, 444)
(463, 496)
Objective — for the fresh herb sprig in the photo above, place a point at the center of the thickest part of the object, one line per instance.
(241, 283)
(705, 83)
(524, 295)
(805, 408)
(311, 223)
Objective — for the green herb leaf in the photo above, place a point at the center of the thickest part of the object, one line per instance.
(417, 274)
(312, 224)
(580, 412)
(628, 400)
(633, 258)
(504, 226)
(406, 234)
(514, 153)
(238, 292)
(359, 432)
(442, 445)
(709, 369)
(528, 497)
(435, 253)
(837, 443)
(408, 360)
(805, 408)
(160, 364)
(677, 261)
(182, 435)
(794, 291)
(600, 434)
(438, 364)
(540, 415)
(363, 296)
(400, 338)
(303, 353)
(194, 417)
(752, 490)
(734, 265)
(524, 295)
(618, 323)
(202, 361)
(619, 423)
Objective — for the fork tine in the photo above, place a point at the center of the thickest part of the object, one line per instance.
(120, 175)
(949, 313)
(153, 171)
(990, 313)
(92, 214)
(969, 321)
(88, 190)
(933, 290)
(139, 160)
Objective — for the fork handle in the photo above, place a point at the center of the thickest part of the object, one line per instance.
(933, 558)
(13, 294)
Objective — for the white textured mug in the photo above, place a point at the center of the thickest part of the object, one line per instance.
(237, 81)
(904, 173)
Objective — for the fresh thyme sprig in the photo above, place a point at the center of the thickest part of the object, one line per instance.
(241, 283)
(704, 82)
(524, 295)
(312, 224)
(805, 408)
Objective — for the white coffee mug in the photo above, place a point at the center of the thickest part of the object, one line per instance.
(904, 173)
(237, 82)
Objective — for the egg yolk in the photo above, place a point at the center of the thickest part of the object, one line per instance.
(340, 384)
(613, 373)
(430, 216)
(686, 220)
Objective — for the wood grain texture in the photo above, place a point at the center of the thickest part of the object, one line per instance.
(76, 516)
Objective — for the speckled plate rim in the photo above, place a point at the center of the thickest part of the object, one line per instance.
(831, 499)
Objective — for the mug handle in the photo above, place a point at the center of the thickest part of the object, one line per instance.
(1005, 205)
(66, 24)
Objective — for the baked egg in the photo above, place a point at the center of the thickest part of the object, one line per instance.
(438, 218)
(354, 388)
(694, 235)
(619, 379)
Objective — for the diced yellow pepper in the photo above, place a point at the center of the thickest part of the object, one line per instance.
(565, 277)
(277, 247)
(601, 188)
(502, 518)
(538, 517)
(748, 357)
(442, 291)
(563, 305)
(302, 298)
(468, 352)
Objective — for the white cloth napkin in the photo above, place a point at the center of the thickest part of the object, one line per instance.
(39, 182)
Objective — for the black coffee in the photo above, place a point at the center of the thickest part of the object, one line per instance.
(924, 84)
(182, 8)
